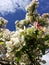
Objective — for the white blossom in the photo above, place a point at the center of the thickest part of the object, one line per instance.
(6, 34)
(7, 55)
(15, 40)
(9, 46)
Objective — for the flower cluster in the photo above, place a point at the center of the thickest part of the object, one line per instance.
(28, 43)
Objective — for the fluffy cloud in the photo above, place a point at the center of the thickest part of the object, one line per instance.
(7, 6)
(46, 57)
(22, 3)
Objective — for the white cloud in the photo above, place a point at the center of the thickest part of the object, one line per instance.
(7, 6)
(22, 3)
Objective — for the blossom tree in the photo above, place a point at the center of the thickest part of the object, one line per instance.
(29, 42)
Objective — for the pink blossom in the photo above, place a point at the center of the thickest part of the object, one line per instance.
(38, 26)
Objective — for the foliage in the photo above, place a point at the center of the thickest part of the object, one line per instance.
(29, 42)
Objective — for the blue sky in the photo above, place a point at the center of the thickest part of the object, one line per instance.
(15, 10)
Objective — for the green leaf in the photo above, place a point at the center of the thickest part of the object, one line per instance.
(18, 56)
(1, 42)
(46, 37)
